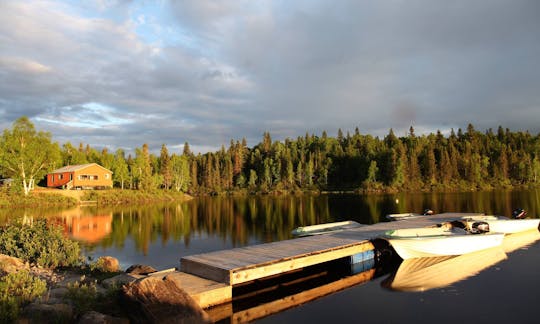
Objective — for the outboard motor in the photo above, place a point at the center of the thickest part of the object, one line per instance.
(428, 212)
(519, 213)
(479, 227)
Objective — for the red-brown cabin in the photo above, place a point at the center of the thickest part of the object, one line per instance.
(83, 176)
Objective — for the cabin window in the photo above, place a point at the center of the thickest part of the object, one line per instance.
(88, 177)
(60, 176)
(71, 176)
(52, 177)
(106, 176)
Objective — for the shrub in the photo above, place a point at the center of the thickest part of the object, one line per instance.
(17, 289)
(39, 243)
(83, 297)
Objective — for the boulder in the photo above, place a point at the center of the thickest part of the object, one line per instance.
(120, 280)
(108, 264)
(47, 313)
(158, 300)
(93, 317)
(10, 264)
(140, 269)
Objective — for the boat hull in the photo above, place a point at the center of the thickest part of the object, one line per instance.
(438, 242)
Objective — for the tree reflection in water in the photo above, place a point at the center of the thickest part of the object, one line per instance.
(241, 221)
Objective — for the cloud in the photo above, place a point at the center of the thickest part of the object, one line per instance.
(124, 73)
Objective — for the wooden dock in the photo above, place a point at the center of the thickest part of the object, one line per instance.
(227, 268)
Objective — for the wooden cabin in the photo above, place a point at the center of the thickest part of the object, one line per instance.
(83, 176)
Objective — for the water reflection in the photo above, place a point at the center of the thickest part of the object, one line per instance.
(265, 297)
(86, 225)
(224, 222)
(421, 274)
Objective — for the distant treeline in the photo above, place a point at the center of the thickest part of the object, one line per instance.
(469, 160)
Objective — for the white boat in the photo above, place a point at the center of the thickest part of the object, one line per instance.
(439, 241)
(402, 216)
(429, 213)
(502, 224)
(324, 228)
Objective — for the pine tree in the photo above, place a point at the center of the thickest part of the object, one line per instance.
(187, 150)
(165, 167)
(145, 168)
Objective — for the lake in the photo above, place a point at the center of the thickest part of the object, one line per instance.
(504, 288)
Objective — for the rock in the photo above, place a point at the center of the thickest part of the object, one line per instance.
(140, 269)
(47, 313)
(58, 293)
(120, 280)
(108, 264)
(93, 317)
(10, 264)
(70, 279)
(160, 300)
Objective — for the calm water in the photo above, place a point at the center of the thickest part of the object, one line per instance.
(507, 290)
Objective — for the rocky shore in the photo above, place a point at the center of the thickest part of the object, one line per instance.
(140, 294)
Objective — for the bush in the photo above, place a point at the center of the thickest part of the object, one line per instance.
(17, 289)
(83, 297)
(40, 243)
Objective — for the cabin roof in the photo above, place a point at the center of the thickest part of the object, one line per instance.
(73, 168)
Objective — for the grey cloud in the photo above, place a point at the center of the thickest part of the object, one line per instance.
(272, 66)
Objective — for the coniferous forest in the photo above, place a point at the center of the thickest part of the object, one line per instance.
(466, 160)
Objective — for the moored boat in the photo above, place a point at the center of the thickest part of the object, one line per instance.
(502, 224)
(439, 241)
(402, 216)
(324, 228)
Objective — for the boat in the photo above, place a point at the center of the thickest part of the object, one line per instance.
(422, 274)
(502, 224)
(429, 213)
(439, 241)
(402, 216)
(325, 228)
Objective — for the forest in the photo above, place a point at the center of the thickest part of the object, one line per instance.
(466, 160)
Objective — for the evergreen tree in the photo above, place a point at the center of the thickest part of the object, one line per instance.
(165, 167)
(120, 168)
(143, 164)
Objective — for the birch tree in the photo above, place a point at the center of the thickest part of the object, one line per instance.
(27, 155)
(180, 172)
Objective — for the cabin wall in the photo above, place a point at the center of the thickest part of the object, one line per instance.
(58, 179)
(92, 176)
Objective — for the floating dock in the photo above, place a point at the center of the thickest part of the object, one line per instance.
(210, 277)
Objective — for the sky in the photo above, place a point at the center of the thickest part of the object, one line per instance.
(117, 73)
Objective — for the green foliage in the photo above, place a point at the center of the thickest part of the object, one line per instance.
(17, 289)
(469, 160)
(26, 154)
(40, 243)
(85, 297)
(15, 198)
(82, 296)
